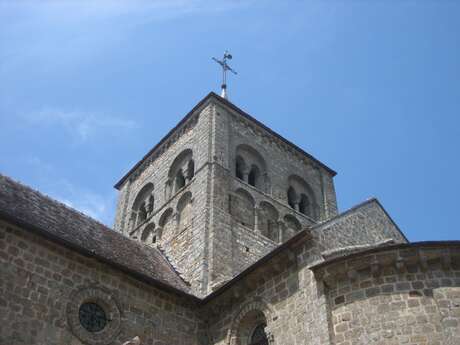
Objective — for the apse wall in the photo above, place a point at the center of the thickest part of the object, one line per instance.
(403, 294)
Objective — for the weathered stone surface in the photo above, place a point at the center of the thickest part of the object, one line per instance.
(225, 231)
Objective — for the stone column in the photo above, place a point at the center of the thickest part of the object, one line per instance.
(296, 205)
(150, 204)
(256, 220)
(159, 232)
(246, 175)
(177, 218)
(281, 230)
(186, 175)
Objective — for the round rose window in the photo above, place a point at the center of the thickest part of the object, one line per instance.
(92, 317)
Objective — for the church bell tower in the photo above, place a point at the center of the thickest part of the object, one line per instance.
(220, 191)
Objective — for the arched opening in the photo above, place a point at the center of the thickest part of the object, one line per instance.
(292, 197)
(250, 328)
(259, 337)
(165, 225)
(184, 210)
(251, 167)
(148, 235)
(301, 197)
(242, 208)
(142, 206)
(254, 176)
(268, 221)
(240, 167)
(181, 171)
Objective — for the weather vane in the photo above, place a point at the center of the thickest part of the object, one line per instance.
(225, 68)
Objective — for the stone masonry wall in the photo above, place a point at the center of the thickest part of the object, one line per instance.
(282, 161)
(285, 295)
(365, 224)
(41, 284)
(215, 248)
(185, 247)
(192, 135)
(401, 296)
(233, 247)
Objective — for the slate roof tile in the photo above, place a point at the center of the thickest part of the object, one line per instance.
(34, 211)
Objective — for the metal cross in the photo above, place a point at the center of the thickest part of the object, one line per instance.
(225, 68)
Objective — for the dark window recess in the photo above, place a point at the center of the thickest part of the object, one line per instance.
(253, 178)
(180, 180)
(92, 317)
(258, 336)
(239, 168)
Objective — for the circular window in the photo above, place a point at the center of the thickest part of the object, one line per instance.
(92, 317)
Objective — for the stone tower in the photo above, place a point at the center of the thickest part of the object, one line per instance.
(219, 191)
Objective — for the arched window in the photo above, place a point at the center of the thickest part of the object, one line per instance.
(181, 171)
(142, 206)
(250, 167)
(301, 197)
(250, 324)
(166, 226)
(184, 210)
(268, 221)
(242, 208)
(148, 235)
(259, 337)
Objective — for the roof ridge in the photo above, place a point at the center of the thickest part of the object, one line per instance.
(53, 200)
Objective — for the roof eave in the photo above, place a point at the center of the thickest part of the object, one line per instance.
(385, 248)
(149, 280)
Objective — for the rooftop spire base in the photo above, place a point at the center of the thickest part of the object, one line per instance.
(225, 68)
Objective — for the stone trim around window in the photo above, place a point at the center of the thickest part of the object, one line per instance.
(106, 301)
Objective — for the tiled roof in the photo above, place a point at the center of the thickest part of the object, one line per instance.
(36, 212)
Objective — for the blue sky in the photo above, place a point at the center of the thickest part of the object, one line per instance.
(371, 88)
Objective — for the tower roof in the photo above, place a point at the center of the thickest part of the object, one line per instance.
(213, 96)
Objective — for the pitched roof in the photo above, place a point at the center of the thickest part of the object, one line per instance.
(36, 212)
(234, 108)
